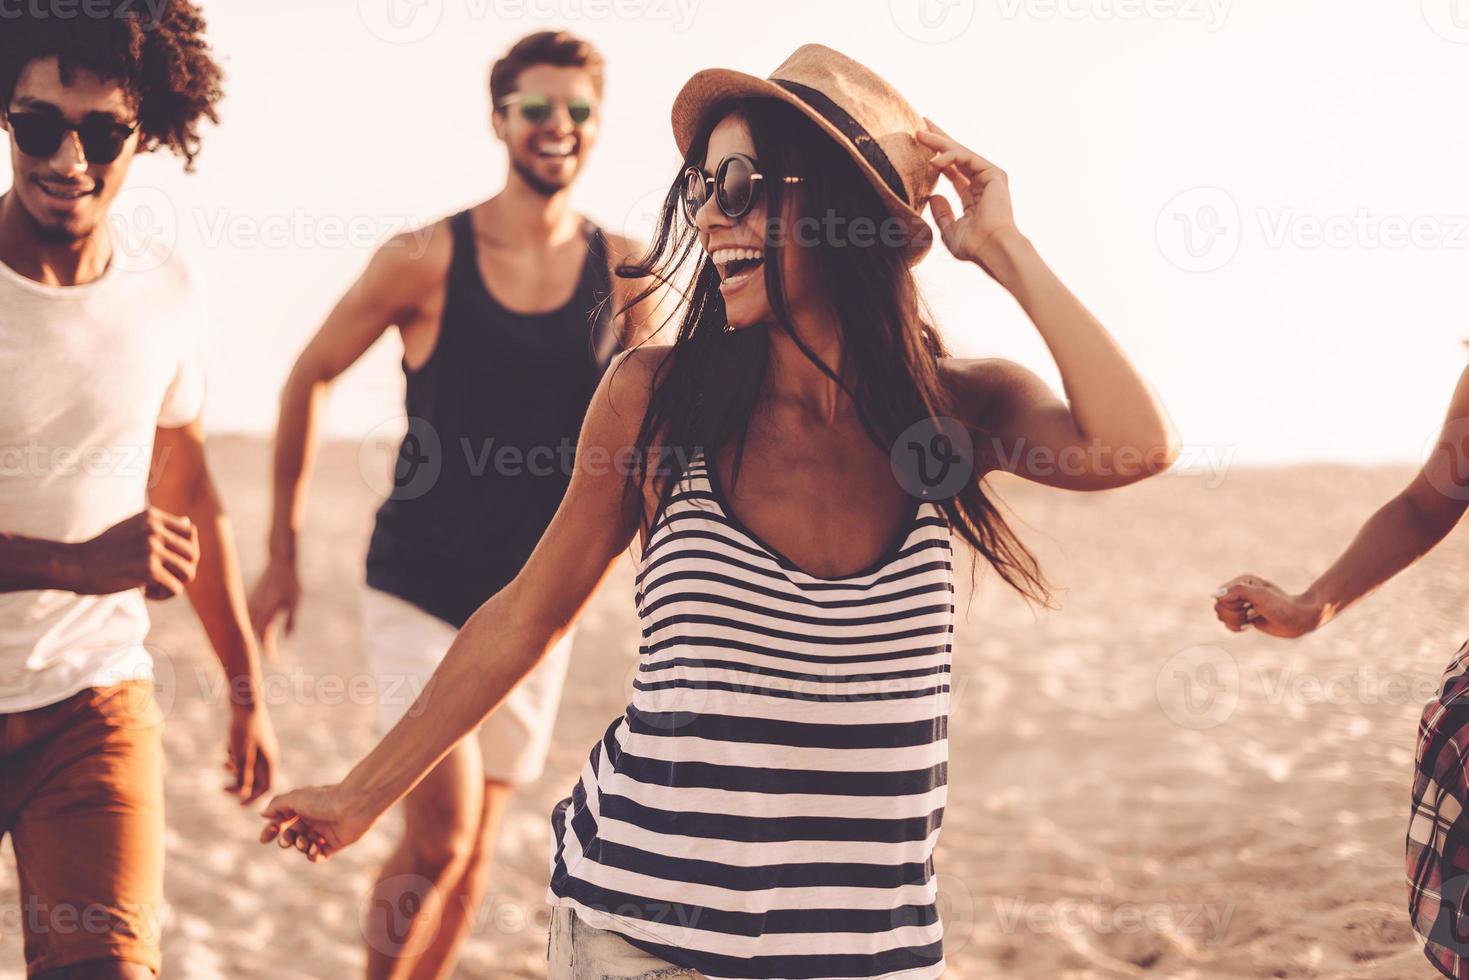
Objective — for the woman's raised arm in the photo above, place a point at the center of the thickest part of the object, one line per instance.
(1111, 430)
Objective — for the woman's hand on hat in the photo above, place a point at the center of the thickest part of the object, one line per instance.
(983, 190)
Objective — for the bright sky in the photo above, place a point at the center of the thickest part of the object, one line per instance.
(1263, 201)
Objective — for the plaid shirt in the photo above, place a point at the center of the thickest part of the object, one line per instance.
(1438, 834)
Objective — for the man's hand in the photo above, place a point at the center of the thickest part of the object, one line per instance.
(251, 753)
(273, 604)
(155, 550)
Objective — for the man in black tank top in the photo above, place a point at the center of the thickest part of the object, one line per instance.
(507, 321)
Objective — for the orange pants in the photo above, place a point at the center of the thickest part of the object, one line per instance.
(81, 795)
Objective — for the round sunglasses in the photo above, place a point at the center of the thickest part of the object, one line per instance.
(536, 109)
(40, 135)
(735, 185)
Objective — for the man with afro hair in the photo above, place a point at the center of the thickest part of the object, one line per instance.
(105, 497)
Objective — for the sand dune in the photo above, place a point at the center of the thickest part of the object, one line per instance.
(1134, 791)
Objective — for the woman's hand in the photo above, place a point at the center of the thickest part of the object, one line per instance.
(1252, 601)
(987, 220)
(317, 821)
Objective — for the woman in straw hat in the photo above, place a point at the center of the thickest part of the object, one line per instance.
(795, 465)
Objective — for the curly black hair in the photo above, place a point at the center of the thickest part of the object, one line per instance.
(156, 51)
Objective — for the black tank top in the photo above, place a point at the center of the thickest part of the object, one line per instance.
(493, 418)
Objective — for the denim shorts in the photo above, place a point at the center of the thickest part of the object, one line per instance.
(577, 951)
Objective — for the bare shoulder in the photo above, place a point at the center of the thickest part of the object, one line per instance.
(981, 373)
(985, 390)
(631, 377)
(411, 265)
(418, 252)
(615, 419)
(1460, 405)
(622, 398)
(1442, 470)
(621, 248)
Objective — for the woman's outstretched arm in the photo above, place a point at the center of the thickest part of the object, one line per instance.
(1403, 530)
(505, 638)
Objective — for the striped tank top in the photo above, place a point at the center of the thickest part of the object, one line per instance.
(768, 804)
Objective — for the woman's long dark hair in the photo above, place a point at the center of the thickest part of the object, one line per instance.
(706, 389)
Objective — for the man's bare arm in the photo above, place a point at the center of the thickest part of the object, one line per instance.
(402, 276)
(153, 550)
(180, 482)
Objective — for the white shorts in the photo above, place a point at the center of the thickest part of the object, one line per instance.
(404, 646)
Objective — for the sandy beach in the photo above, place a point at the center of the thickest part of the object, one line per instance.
(1135, 792)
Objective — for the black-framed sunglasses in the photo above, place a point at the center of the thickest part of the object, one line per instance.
(39, 135)
(536, 109)
(735, 185)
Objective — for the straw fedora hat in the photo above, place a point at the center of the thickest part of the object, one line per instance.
(866, 115)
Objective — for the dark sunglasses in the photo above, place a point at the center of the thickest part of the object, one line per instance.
(40, 135)
(536, 109)
(735, 185)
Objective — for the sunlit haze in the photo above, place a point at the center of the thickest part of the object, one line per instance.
(1263, 201)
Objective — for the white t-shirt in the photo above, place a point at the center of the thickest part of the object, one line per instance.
(86, 375)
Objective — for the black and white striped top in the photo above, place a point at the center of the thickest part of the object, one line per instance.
(769, 803)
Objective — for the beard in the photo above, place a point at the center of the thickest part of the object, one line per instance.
(52, 234)
(57, 234)
(539, 184)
